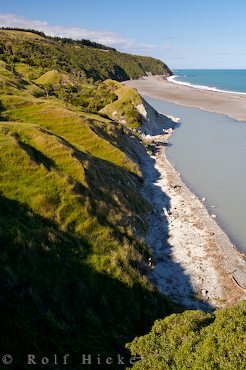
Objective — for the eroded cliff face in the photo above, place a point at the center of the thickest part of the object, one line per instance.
(152, 122)
(134, 112)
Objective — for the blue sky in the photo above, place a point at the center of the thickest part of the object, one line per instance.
(183, 33)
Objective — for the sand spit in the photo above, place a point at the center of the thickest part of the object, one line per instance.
(233, 105)
(194, 262)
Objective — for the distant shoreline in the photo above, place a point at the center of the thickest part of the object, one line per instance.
(230, 104)
(202, 87)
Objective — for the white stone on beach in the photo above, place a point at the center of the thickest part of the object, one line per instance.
(184, 258)
(165, 212)
(168, 130)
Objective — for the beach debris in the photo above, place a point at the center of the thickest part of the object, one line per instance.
(174, 119)
(203, 199)
(165, 212)
(140, 219)
(150, 263)
(205, 293)
(168, 130)
(213, 215)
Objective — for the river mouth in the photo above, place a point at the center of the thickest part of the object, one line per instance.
(209, 150)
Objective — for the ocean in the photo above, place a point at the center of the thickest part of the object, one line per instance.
(229, 80)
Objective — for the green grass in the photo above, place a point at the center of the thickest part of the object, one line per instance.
(72, 257)
(79, 61)
(124, 108)
(195, 340)
(53, 78)
(73, 262)
(28, 72)
(17, 35)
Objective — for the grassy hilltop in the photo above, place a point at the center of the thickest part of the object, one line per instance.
(80, 61)
(73, 260)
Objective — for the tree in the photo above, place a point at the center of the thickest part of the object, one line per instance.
(195, 340)
(48, 88)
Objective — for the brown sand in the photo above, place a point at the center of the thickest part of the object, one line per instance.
(233, 105)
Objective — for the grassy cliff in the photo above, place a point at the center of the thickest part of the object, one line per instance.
(72, 216)
(73, 263)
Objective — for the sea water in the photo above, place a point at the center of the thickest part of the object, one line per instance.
(209, 150)
(230, 80)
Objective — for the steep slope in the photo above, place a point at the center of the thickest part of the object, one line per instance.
(79, 60)
(73, 263)
(123, 109)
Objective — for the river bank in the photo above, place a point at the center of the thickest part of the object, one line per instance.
(193, 258)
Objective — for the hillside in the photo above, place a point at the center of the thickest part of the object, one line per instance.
(74, 262)
(46, 53)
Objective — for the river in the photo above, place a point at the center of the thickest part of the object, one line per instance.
(209, 150)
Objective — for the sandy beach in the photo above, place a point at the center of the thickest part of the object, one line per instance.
(194, 261)
(233, 105)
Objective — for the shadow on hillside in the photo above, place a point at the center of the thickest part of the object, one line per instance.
(2, 109)
(166, 274)
(121, 138)
(117, 73)
(113, 191)
(169, 274)
(116, 200)
(52, 301)
(35, 155)
(156, 123)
